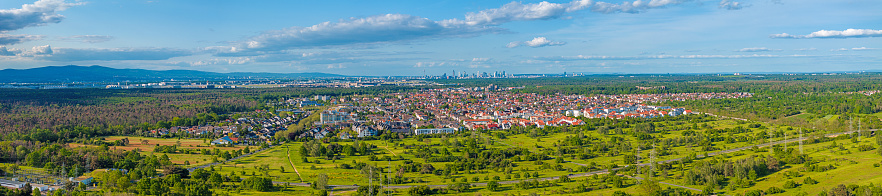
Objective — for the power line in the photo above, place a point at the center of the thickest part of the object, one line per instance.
(800, 140)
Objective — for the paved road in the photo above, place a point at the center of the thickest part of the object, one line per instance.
(585, 174)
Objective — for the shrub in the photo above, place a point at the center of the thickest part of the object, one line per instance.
(459, 187)
(367, 190)
(865, 147)
(420, 190)
(258, 184)
(809, 180)
(774, 190)
(493, 186)
(754, 193)
(790, 184)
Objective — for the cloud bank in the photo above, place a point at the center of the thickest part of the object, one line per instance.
(758, 49)
(91, 39)
(633, 7)
(7, 52)
(536, 42)
(854, 49)
(108, 54)
(15, 39)
(584, 57)
(392, 28)
(731, 5)
(40, 13)
(374, 29)
(848, 33)
(516, 11)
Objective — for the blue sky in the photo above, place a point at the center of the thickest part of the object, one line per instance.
(416, 37)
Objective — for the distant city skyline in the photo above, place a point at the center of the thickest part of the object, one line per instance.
(382, 38)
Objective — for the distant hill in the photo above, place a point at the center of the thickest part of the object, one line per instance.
(95, 73)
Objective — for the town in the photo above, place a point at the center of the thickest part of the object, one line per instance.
(454, 109)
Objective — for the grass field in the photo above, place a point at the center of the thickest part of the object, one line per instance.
(850, 164)
(147, 147)
(852, 167)
(137, 142)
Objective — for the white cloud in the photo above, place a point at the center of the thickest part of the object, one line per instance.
(848, 33)
(15, 39)
(480, 59)
(40, 13)
(536, 42)
(864, 48)
(516, 11)
(584, 57)
(854, 49)
(806, 49)
(758, 49)
(430, 64)
(88, 38)
(336, 66)
(7, 52)
(221, 61)
(329, 57)
(42, 50)
(107, 54)
(374, 29)
(394, 28)
(633, 7)
(731, 5)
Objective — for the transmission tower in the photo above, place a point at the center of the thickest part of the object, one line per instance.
(785, 141)
(389, 177)
(371, 181)
(652, 161)
(859, 129)
(770, 131)
(638, 163)
(850, 124)
(800, 140)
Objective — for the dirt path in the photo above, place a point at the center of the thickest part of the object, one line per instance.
(390, 151)
(292, 164)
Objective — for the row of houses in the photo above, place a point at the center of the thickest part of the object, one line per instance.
(634, 111)
(241, 131)
(194, 130)
(433, 110)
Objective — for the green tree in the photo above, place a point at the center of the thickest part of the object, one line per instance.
(321, 182)
(459, 187)
(493, 186)
(216, 179)
(257, 184)
(420, 190)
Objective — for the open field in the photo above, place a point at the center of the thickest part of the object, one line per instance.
(150, 144)
(852, 167)
(146, 148)
(402, 152)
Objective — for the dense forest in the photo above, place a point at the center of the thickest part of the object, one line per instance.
(627, 84)
(121, 112)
